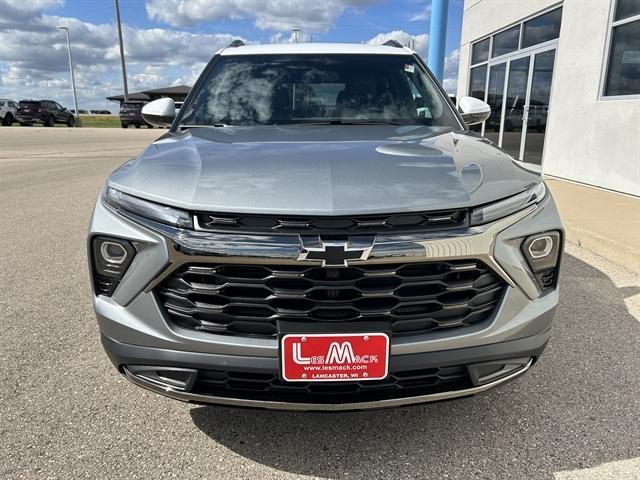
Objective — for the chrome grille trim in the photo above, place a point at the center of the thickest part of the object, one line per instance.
(189, 246)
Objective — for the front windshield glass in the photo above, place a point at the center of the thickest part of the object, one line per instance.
(289, 89)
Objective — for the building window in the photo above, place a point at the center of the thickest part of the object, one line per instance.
(626, 9)
(477, 81)
(480, 52)
(506, 42)
(477, 84)
(623, 66)
(542, 29)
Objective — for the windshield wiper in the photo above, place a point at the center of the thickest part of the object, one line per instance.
(315, 122)
(213, 125)
(342, 122)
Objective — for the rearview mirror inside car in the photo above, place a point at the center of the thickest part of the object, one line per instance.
(160, 112)
(473, 111)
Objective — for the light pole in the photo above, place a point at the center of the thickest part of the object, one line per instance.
(124, 69)
(438, 37)
(73, 79)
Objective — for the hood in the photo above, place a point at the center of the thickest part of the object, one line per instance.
(322, 170)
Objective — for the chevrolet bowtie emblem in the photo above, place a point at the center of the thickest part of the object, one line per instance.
(335, 253)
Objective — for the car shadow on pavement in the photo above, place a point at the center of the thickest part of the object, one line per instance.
(577, 408)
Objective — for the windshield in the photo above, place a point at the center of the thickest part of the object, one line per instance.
(284, 89)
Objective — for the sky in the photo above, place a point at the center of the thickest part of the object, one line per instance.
(168, 42)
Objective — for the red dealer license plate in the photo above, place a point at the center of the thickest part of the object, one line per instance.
(334, 357)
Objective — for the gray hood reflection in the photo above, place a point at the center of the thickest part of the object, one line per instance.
(321, 170)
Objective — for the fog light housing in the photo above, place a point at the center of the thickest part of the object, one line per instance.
(113, 253)
(542, 252)
(111, 258)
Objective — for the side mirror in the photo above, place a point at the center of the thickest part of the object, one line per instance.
(473, 111)
(160, 112)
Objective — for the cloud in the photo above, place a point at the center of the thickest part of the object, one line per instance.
(422, 15)
(279, 15)
(421, 42)
(451, 61)
(281, 37)
(16, 11)
(34, 64)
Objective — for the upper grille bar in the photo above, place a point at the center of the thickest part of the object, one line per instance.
(356, 224)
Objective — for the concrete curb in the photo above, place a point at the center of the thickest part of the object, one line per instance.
(603, 222)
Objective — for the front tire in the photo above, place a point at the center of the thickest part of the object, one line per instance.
(71, 122)
(7, 120)
(124, 125)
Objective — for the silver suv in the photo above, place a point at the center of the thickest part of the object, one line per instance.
(8, 109)
(319, 230)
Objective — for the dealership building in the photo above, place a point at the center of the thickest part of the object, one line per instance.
(178, 93)
(563, 83)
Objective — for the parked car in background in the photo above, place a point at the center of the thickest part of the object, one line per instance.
(82, 112)
(7, 111)
(131, 114)
(46, 112)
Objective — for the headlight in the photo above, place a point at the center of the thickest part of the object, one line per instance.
(503, 208)
(147, 209)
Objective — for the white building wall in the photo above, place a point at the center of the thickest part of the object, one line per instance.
(589, 139)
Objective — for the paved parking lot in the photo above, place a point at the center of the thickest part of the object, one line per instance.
(65, 413)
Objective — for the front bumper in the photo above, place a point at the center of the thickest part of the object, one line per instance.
(488, 366)
(137, 331)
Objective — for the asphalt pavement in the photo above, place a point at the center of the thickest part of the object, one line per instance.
(66, 412)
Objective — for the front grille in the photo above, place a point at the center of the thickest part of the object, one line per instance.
(412, 298)
(396, 223)
(268, 387)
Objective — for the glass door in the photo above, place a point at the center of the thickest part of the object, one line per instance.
(537, 108)
(495, 99)
(518, 92)
(515, 106)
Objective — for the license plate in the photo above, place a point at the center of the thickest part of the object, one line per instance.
(334, 357)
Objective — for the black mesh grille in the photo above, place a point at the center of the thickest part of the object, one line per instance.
(412, 298)
(400, 222)
(268, 387)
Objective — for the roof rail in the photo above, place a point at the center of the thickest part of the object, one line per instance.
(393, 43)
(236, 43)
